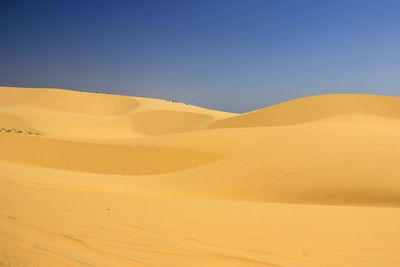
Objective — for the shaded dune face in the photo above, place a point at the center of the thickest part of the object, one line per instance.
(167, 122)
(8, 121)
(99, 158)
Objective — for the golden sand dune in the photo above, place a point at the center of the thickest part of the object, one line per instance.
(315, 108)
(102, 180)
(63, 113)
(67, 101)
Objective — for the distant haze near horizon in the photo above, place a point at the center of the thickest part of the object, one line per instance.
(228, 55)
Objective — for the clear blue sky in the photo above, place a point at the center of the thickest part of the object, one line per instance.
(224, 54)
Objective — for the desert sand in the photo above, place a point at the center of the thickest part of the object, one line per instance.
(104, 180)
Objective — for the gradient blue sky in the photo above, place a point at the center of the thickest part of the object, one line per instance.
(224, 54)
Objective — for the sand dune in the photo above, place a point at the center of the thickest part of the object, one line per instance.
(315, 108)
(102, 180)
(63, 113)
(68, 101)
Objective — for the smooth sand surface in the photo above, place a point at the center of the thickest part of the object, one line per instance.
(102, 180)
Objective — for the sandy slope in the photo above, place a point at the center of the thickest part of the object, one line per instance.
(102, 180)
